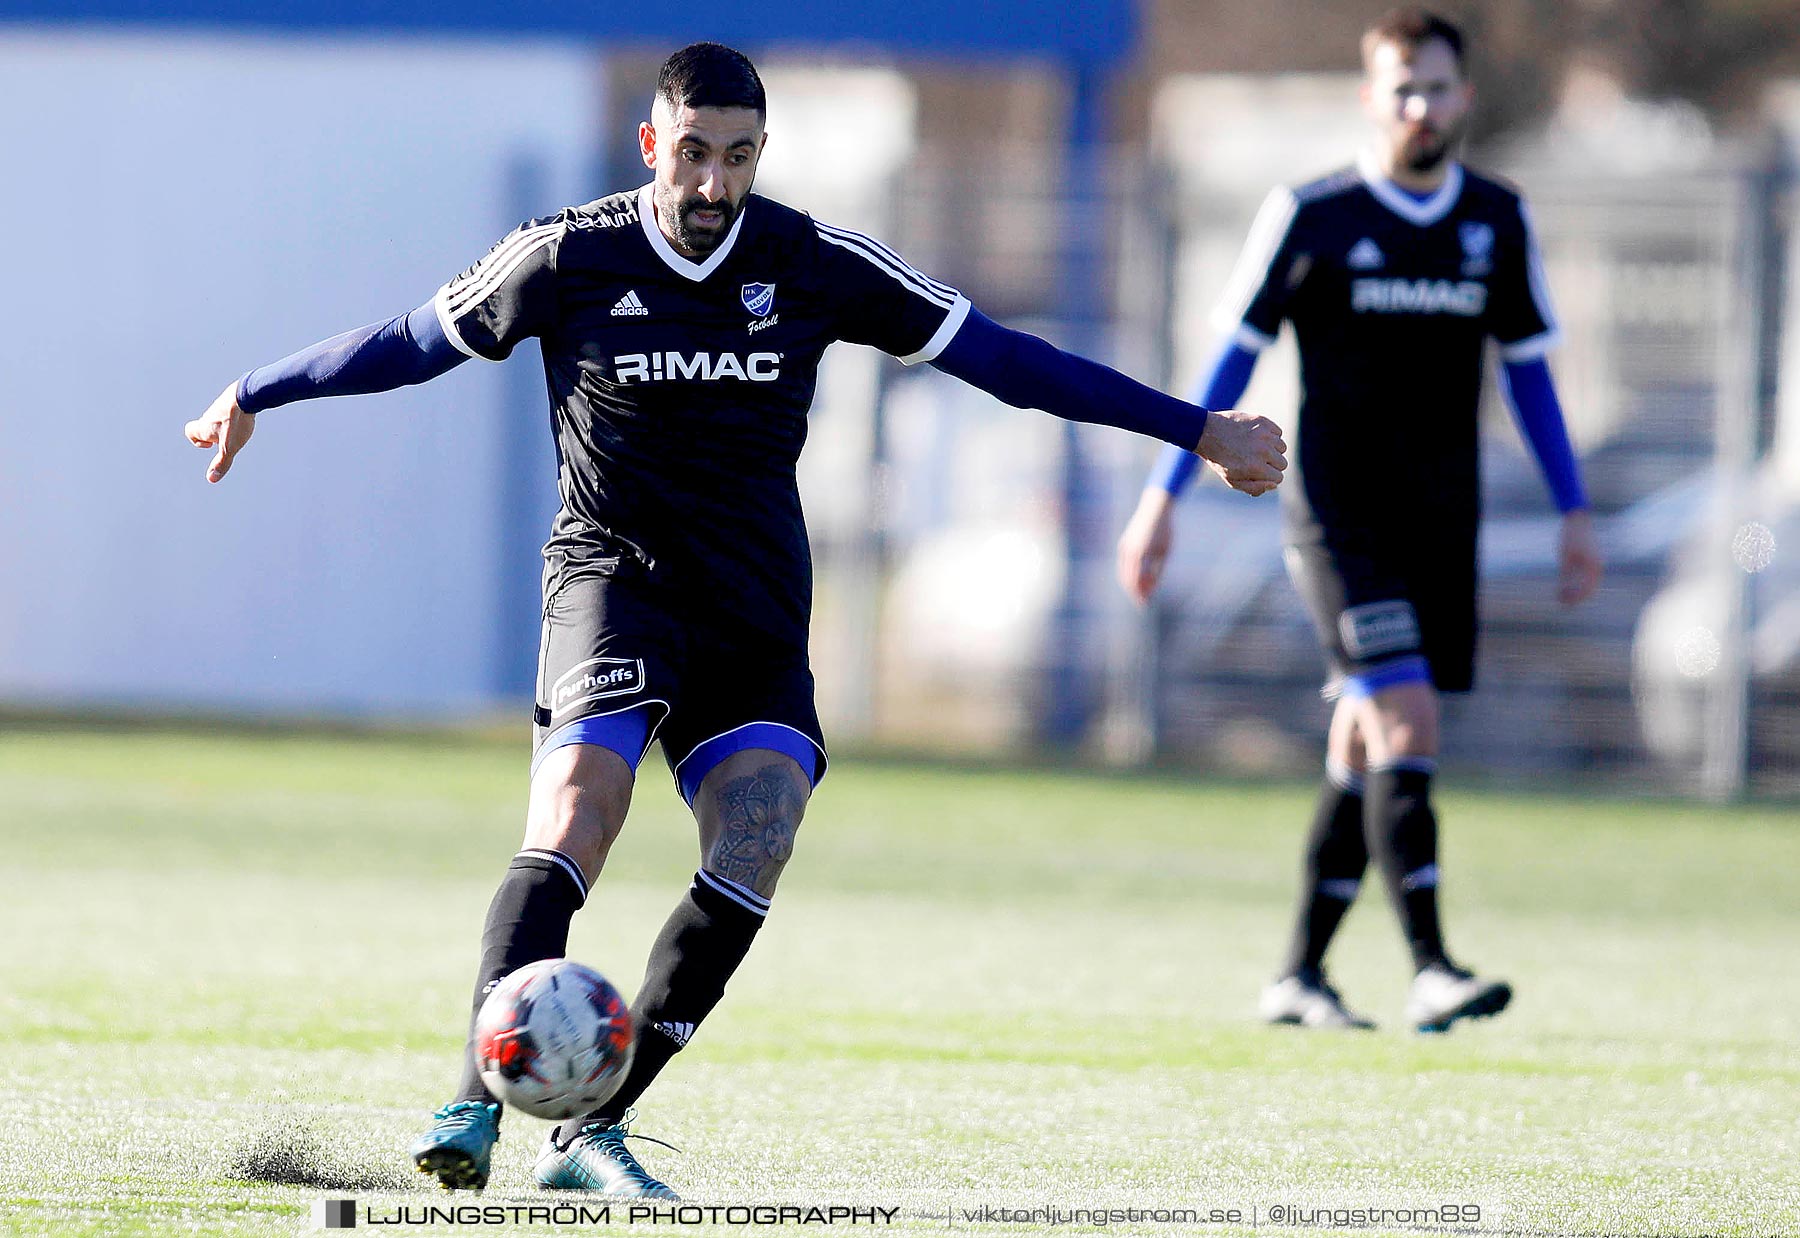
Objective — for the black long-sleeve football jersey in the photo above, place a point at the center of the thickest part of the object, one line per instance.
(1392, 300)
(679, 390)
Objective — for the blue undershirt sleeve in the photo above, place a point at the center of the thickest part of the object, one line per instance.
(1222, 386)
(1534, 404)
(379, 357)
(1027, 372)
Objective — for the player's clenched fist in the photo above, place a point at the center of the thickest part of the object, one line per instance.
(225, 426)
(1246, 450)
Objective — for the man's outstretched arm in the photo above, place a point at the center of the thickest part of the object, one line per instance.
(1027, 372)
(379, 357)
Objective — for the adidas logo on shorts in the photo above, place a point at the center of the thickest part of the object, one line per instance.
(630, 307)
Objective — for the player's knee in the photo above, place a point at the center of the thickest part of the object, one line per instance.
(1396, 709)
(579, 798)
(1409, 740)
(750, 809)
(1409, 722)
(755, 841)
(755, 857)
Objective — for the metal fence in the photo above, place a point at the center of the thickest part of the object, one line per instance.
(1682, 675)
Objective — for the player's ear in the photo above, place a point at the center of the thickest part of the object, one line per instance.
(647, 143)
(1375, 109)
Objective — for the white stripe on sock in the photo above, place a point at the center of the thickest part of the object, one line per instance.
(742, 895)
(1418, 765)
(1344, 778)
(1420, 878)
(565, 863)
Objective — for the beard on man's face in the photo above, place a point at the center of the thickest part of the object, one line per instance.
(1424, 148)
(699, 240)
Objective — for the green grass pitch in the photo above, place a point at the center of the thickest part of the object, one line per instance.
(234, 969)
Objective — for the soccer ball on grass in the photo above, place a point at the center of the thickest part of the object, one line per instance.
(553, 1039)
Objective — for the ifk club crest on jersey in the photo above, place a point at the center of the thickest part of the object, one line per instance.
(759, 299)
(1478, 248)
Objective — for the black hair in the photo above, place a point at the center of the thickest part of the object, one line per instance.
(710, 75)
(1408, 29)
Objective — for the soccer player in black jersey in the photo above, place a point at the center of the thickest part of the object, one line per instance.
(1393, 273)
(681, 326)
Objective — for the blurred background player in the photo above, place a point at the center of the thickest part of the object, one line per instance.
(682, 324)
(1393, 273)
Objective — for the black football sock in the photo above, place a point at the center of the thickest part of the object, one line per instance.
(527, 921)
(696, 953)
(1402, 832)
(1337, 852)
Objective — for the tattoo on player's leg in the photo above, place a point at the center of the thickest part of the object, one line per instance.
(758, 815)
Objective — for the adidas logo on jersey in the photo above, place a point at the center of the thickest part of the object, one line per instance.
(1365, 255)
(630, 307)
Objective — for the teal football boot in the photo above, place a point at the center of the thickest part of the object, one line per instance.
(592, 1156)
(459, 1145)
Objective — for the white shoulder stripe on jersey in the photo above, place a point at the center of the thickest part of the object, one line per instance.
(499, 264)
(494, 270)
(850, 235)
(1534, 271)
(1273, 222)
(880, 247)
(498, 257)
(939, 284)
(899, 271)
(940, 339)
